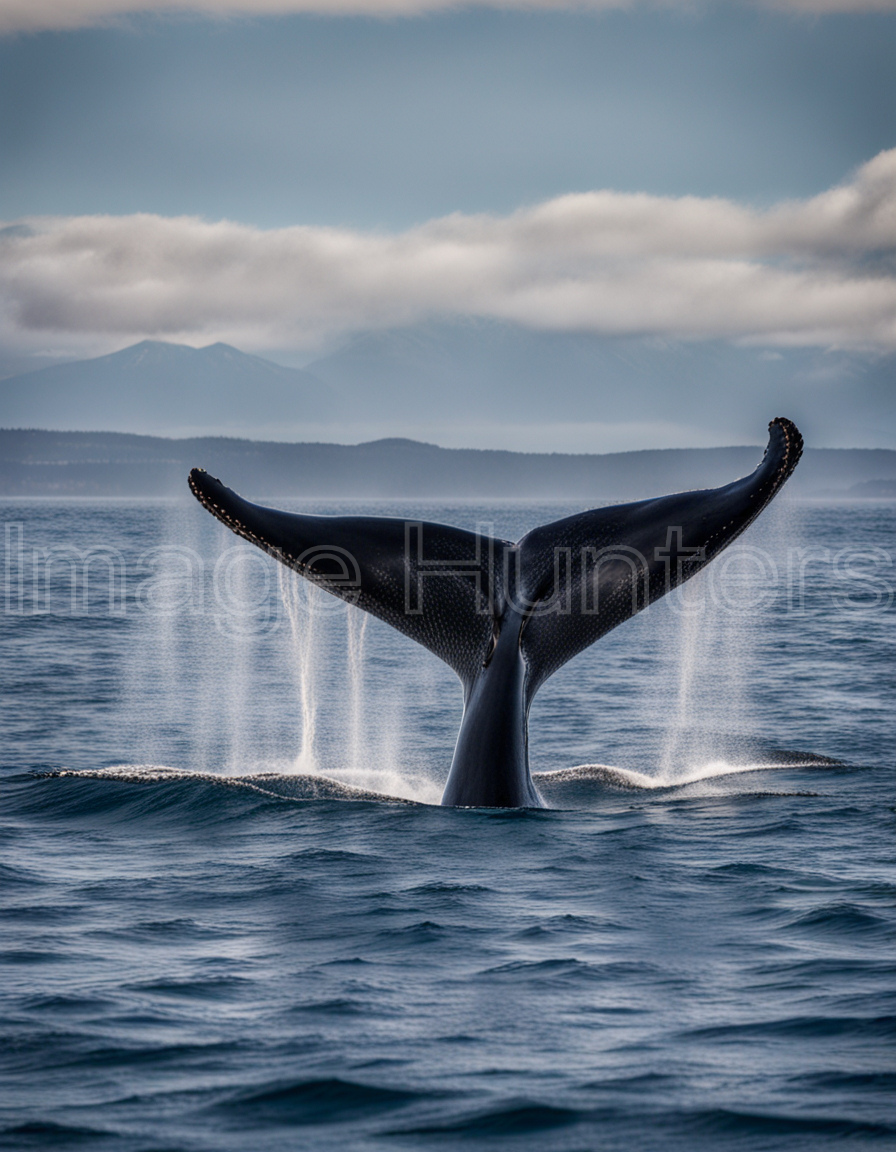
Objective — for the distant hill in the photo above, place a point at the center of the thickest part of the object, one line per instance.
(166, 388)
(115, 464)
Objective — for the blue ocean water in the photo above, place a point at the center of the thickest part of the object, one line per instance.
(233, 917)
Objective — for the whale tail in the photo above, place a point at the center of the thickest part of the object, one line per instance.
(570, 582)
(505, 616)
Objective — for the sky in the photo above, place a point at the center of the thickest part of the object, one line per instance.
(285, 175)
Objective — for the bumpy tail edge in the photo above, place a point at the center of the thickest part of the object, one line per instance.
(225, 506)
(786, 444)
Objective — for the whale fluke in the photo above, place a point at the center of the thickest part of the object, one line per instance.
(626, 556)
(432, 582)
(505, 616)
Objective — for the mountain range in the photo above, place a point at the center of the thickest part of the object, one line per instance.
(156, 387)
(477, 385)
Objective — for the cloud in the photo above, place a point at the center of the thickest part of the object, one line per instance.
(36, 15)
(815, 272)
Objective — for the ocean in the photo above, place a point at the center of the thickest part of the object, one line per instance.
(234, 917)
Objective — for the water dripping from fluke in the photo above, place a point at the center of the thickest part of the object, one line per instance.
(300, 601)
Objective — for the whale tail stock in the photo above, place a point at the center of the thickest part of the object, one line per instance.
(505, 616)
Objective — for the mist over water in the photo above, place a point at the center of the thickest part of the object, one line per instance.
(213, 940)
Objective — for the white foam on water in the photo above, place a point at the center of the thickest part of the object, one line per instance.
(276, 785)
(676, 778)
(386, 785)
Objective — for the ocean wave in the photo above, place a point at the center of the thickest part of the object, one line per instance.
(725, 1121)
(630, 780)
(505, 1120)
(554, 972)
(808, 1027)
(149, 1056)
(212, 988)
(820, 968)
(63, 1004)
(837, 1081)
(844, 919)
(209, 796)
(12, 878)
(273, 785)
(338, 1006)
(312, 1100)
(46, 1134)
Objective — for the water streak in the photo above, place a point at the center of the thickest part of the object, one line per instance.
(302, 602)
(356, 634)
(690, 652)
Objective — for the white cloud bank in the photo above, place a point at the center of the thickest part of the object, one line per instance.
(35, 15)
(814, 272)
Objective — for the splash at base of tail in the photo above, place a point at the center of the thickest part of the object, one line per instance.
(505, 616)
